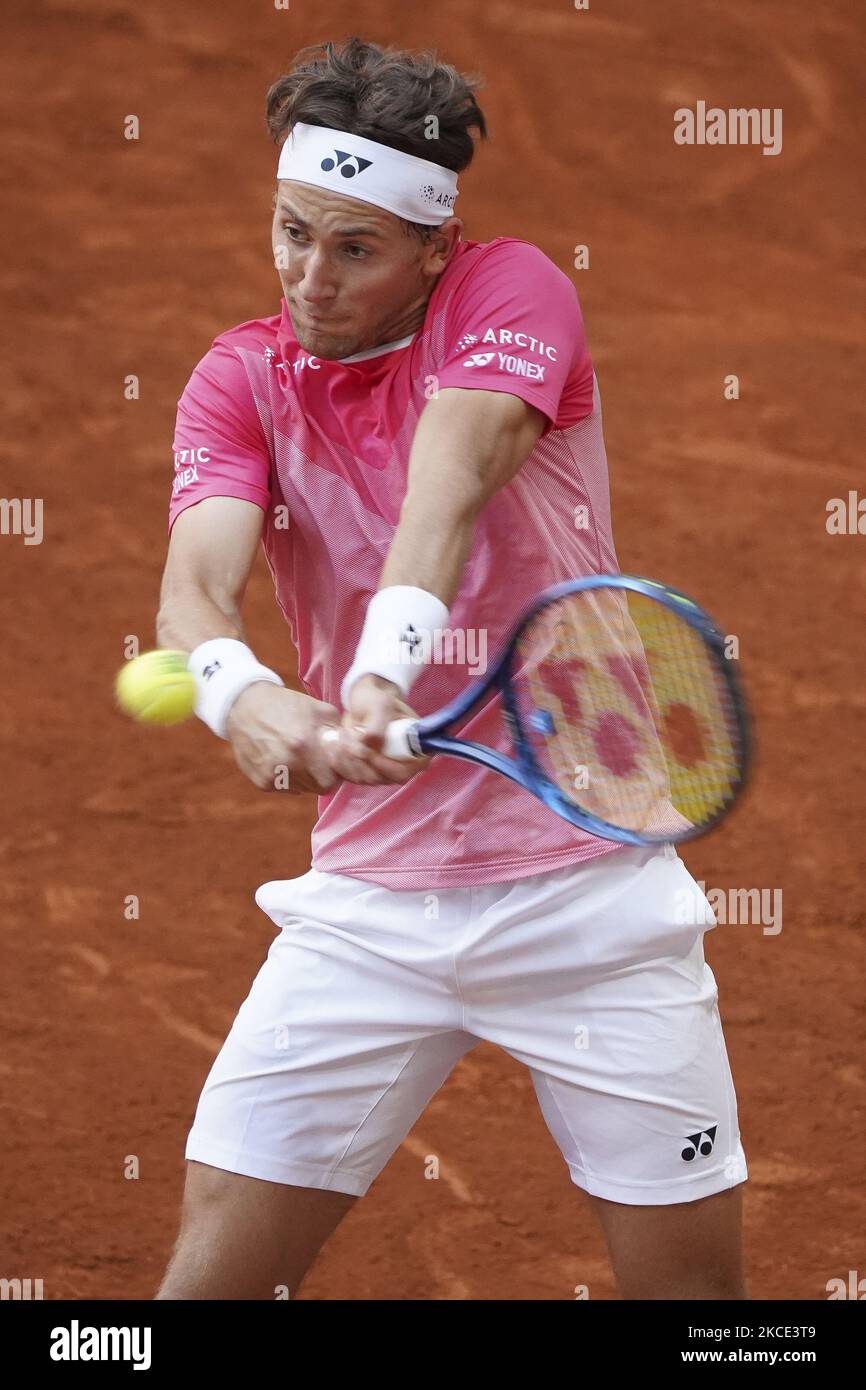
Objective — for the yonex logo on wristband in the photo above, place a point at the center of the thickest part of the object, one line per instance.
(223, 668)
(410, 636)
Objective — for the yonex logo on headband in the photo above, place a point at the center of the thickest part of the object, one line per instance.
(356, 164)
(413, 188)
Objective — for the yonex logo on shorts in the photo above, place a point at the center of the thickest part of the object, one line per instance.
(355, 165)
(701, 1143)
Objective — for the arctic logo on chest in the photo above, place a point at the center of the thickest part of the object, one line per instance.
(301, 361)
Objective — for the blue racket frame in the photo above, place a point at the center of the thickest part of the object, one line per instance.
(524, 770)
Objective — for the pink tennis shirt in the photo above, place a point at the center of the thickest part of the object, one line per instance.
(323, 448)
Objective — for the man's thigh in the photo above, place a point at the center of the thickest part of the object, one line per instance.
(346, 1034)
(639, 1097)
(243, 1238)
(601, 989)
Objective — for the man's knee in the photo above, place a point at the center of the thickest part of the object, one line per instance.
(686, 1250)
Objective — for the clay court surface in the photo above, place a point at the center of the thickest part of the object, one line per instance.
(129, 257)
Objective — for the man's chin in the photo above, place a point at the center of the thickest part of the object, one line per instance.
(327, 346)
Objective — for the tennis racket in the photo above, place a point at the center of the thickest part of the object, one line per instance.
(622, 712)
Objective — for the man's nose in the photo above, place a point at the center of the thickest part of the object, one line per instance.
(318, 282)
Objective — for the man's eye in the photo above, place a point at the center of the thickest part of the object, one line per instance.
(361, 249)
(287, 227)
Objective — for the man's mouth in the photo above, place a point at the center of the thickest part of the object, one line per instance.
(317, 320)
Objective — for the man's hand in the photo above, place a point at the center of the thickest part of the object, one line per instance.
(273, 731)
(373, 704)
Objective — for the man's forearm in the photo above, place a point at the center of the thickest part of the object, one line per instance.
(187, 618)
(467, 445)
(430, 549)
(210, 555)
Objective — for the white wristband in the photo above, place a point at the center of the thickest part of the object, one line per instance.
(397, 638)
(223, 668)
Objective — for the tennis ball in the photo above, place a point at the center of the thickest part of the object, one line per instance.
(156, 688)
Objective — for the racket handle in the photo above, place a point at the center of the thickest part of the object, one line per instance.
(397, 743)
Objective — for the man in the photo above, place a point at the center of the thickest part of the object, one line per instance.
(416, 437)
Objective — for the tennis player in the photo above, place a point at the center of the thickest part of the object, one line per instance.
(416, 438)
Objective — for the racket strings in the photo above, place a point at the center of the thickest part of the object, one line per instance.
(627, 712)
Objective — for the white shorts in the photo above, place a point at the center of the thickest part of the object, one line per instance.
(592, 975)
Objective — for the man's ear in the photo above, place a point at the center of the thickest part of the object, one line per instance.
(440, 247)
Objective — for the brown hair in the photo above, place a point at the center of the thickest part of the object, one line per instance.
(382, 94)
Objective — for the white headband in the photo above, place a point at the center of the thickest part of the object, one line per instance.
(401, 183)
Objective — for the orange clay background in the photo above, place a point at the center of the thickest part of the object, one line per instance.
(129, 257)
